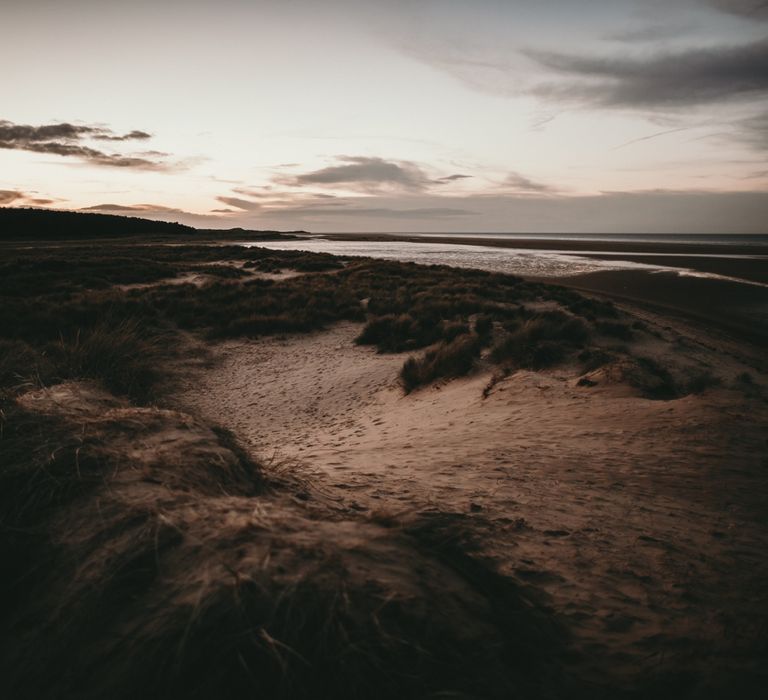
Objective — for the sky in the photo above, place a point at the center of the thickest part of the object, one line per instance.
(391, 115)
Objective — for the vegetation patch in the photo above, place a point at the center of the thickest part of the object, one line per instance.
(541, 340)
(454, 358)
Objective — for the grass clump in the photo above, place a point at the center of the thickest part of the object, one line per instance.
(540, 341)
(122, 355)
(655, 380)
(21, 364)
(397, 333)
(450, 359)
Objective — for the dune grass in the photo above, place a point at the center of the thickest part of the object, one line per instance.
(452, 358)
(183, 570)
(123, 355)
(540, 340)
(66, 305)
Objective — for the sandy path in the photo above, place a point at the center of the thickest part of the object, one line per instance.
(641, 522)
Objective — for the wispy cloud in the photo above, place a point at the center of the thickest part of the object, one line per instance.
(752, 9)
(753, 131)
(70, 140)
(134, 208)
(21, 199)
(517, 183)
(650, 137)
(649, 32)
(239, 203)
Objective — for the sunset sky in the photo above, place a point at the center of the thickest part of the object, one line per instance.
(396, 115)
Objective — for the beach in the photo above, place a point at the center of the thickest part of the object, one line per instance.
(374, 477)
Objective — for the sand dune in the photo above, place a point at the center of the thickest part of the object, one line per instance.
(637, 520)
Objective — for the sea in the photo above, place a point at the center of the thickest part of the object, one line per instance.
(544, 263)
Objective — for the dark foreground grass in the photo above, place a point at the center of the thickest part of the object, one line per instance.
(146, 556)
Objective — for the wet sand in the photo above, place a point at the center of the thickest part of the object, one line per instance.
(737, 308)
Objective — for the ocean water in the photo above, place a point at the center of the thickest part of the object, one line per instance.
(525, 262)
(733, 239)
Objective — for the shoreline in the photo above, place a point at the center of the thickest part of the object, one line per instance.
(747, 262)
(639, 247)
(730, 305)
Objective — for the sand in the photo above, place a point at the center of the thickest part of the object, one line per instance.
(741, 310)
(640, 523)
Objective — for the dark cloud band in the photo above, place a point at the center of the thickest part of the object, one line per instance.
(66, 140)
(753, 9)
(684, 78)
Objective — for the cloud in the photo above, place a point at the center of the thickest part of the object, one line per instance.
(364, 173)
(243, 204)
(452, 178)
(66, 140)
(135, 208)
(753, 131)
(130, 136)
(519, 183)
(752, 9)
(271, 199)
(653, 32)
(679, 79)
(19, 198)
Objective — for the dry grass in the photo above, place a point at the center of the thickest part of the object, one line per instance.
(178, 571)
(541, 340)
(450, 359)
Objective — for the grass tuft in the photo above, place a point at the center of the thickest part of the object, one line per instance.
(123, 355)
(454, 358)
(540, 341)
